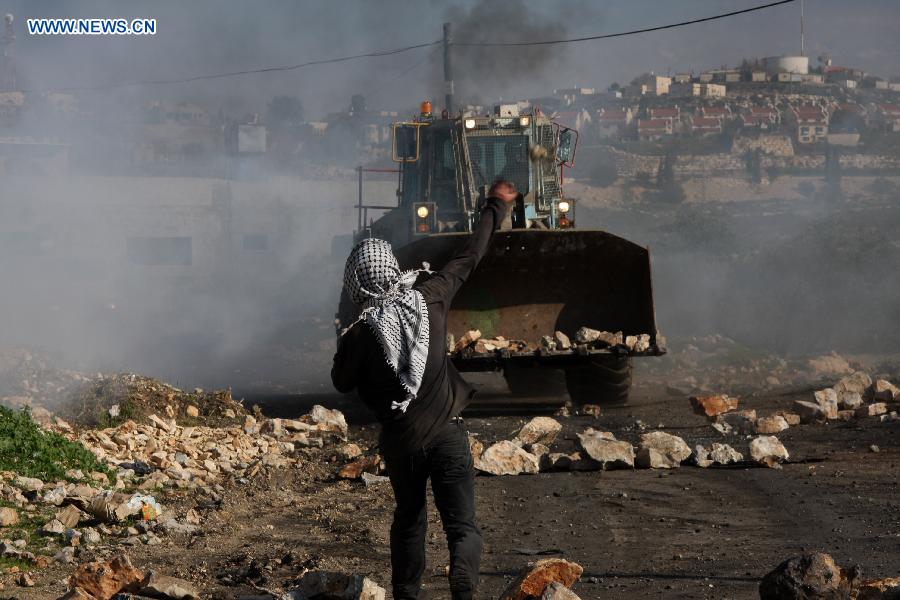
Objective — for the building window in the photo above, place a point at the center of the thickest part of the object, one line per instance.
(159, 251)
(255, 242)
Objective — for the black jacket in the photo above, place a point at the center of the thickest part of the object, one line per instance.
(359, 362)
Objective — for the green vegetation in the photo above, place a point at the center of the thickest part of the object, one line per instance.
(28, 450)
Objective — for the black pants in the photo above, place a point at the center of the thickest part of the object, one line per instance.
(448, 462)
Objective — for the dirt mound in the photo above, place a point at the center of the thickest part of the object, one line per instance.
(107, 401)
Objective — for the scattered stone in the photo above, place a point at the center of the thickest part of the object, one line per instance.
(24, 580)
(871, 410)
(369, 479)
(792, 418)
(562, 340)
(476, 448)
(828, 400)
(548, 342)
(66, 556)
(723, 454)
(506, 458)
(163, 586)
(103, 580)
(557, 591)
(885, 391)
(350, 451)
(467, 339)
(766, 450)
(192, 411)
(742, 421)
(90, 535)
(850, 401)
(8, 516)
(770, 425)
(329, 420)
(810, 412)
(586, 335)
(660, 450)
(29, 484)
(53, 527)
(366, 464)
(638, 343)
(534, 579)
(808, 576)
(712, 406)
(539, 430)
(69, 516)
(856, 383)
(602, 447)
(339, 586)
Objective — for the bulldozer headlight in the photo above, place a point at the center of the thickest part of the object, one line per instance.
(470, 123)
(524, 121)
(564, 207)
(422, 212)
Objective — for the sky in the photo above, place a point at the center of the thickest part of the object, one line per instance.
(210, 36)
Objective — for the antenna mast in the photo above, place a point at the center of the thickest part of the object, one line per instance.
(801, 29)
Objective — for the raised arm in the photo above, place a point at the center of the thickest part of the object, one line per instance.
(446, 282)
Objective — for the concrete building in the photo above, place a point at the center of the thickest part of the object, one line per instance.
(706, 90)
(610, 117)
(887, 116)
(654, 85)
(759, 76)
(786, 64)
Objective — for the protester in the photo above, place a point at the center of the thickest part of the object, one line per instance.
(395, 356)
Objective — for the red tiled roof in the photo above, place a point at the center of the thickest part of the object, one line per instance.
(715, 111)
(653, 123)
(657, 113)
(889, 108)
(706, 122)
(763, 110)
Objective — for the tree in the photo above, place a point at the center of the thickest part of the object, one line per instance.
(284, 111)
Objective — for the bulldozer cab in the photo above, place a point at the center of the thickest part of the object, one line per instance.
(447, 166)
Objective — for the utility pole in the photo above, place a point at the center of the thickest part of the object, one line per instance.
(801, 29)
(448, 70)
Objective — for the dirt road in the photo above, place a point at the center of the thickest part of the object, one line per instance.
(685, 533)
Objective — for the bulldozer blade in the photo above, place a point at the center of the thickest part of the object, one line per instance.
(532, 283)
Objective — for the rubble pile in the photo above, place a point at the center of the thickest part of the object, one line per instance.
(185, 456)
(110, 400)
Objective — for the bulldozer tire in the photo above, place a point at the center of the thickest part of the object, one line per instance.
(528, 382)
(605, 381)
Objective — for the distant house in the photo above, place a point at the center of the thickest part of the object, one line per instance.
(760, 117)
(812, 78)
(812, 123)
(612, 119)
(759, 76)
(705, 125)
(653, 85)
(722, 112)
(682, 78)
(654, 129)
(665, 112)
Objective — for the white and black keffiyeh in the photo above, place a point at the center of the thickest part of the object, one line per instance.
(397, 313)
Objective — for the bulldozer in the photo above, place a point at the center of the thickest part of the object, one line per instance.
(541, 275)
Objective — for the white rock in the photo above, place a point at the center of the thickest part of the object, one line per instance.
(768, 451)
(539, 430)
(602, 447)
(660, 450)
(506, 458)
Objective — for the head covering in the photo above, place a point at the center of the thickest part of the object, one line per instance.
(396, 312)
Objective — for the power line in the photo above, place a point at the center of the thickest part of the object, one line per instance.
(399, 51)
(242, 72)
(632, 32)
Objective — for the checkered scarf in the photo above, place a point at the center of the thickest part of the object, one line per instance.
(391, 307)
